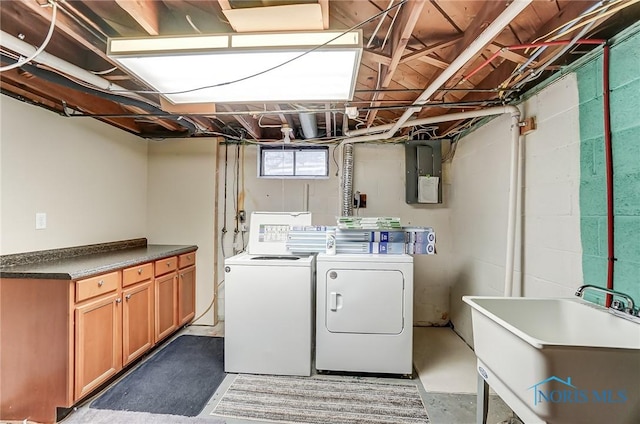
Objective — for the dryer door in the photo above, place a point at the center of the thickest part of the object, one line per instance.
(364, 301)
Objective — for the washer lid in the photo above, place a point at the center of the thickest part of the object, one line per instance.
(246, 259)
(269, 231)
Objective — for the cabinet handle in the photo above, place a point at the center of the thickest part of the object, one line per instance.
(128, 297)
(168, 263)
(181, 275)
(100, 283)
(189, 257)
(118, 300)
(139, 271)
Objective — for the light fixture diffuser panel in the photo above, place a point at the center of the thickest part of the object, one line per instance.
(265, 74)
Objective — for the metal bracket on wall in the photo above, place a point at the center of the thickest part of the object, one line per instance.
(422, 158)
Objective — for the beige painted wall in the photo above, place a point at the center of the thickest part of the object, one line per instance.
(379, 173)
(88, 177)
(549, 228)
(181, 206)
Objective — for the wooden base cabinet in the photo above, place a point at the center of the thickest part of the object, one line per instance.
(62, 339)
(137, 321)
(186, 295)
(98, 343)
(166, 305)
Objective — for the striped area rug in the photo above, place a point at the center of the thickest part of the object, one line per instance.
(322, 400)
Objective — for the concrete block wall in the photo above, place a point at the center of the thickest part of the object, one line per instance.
(625, 126)
(379, 173)
(549, 221)
(264, 194)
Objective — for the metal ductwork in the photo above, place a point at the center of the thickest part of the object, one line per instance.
(309, 125)
(347, 180)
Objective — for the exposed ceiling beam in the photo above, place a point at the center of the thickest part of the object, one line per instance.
(481, 21)
(324, 7)
(29, 95)
(400, 35)
(376, 57)
(507, 54)
(71, 29)
(434, 62)
(428, 50)
(487, 15)
(250, 124)
(81, 101)
(224, 4)
(505, 69)
(76, 32)
(145, 12)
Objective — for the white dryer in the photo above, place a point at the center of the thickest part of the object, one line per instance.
(364, 313)
(269, 301)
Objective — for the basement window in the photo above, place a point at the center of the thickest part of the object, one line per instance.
(290, 161)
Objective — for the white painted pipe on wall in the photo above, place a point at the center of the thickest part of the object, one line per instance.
(514, 171)
(514, 189)
(25, 49)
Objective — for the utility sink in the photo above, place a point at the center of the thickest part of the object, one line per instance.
(557, 360)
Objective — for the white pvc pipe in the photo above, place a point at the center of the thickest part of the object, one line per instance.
(497, 110)
(467, 54)
(512, 202)
(25, 49)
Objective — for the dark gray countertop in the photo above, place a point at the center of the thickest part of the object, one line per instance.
(93, 264)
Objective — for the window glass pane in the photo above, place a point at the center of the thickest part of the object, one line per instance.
(277, 162)
(311, 162)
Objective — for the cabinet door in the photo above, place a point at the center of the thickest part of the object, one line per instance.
(98, 343)
(186, 295)
(166, 305)
(137, 321)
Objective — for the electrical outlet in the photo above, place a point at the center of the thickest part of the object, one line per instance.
(41, 220)
(360, 200)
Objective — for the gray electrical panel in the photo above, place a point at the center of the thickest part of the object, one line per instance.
(423, 162)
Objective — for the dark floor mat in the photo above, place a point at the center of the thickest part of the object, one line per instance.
(178, 380)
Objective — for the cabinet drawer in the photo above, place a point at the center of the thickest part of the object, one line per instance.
(95, 286)
(137, 273)
(186, 260)
(166, 265)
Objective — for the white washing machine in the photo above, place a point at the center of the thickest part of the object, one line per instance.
(269, 302)
(364, 313)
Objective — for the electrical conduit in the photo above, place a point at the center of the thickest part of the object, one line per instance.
(608, 152)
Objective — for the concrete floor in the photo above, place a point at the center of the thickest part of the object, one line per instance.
(444, 365)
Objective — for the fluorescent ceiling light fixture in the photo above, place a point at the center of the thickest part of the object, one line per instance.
(247, 67)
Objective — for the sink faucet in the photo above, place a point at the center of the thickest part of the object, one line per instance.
(630, 309)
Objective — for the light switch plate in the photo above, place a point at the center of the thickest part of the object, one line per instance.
(41, 220)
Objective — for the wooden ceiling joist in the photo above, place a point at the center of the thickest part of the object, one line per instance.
(324, 7)
(29, 95)
(250, 124)
(400, 36)
(507, 54)
(503, 71)
(72, 30)
(376, 57)
(145, 12)
(81, 101)
(430, 49)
